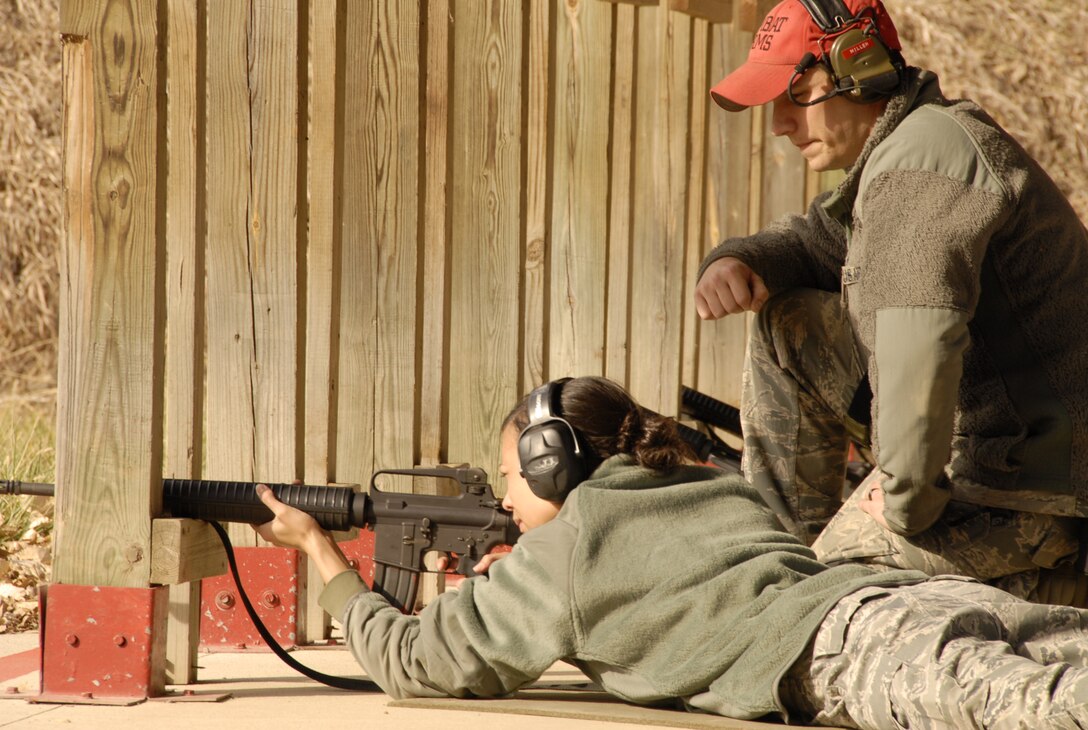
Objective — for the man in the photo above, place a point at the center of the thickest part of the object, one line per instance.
(945, 273)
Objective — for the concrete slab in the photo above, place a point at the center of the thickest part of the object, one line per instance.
(265, 693)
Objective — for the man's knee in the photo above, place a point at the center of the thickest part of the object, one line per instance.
(787, 325)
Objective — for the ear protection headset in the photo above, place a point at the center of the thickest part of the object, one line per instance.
(552, 460)
(861, 66)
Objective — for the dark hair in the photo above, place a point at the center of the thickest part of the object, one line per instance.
(608, 421)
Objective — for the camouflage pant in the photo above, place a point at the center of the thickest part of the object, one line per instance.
(801, 372)
(944, 654)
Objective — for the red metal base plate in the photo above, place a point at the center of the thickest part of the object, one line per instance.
(270, 578)
(102, 644)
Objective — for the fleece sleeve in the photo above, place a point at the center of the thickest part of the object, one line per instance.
(927, 221)
(794, 251)
(491, 636)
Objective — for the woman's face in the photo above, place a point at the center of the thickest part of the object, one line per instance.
(529, 510)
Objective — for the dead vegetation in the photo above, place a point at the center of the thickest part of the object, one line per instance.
(1024, 63)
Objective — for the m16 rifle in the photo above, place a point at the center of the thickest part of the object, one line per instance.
(406, 527)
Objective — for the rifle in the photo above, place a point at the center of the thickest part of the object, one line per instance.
(406, 526)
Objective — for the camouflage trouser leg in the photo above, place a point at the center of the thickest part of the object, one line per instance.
(800, 374)
(945, 654)
(1005, 548)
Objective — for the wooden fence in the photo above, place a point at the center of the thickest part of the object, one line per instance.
(308, 238)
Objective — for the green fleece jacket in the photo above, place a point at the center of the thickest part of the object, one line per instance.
(963, 269)
(659, 587)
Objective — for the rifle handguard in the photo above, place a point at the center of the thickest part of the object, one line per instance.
(334, 508)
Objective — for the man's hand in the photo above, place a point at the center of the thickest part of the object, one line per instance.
(872, 501)
(729, 286)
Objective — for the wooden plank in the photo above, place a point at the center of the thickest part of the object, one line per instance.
(109, 414)
(700, 63)
(660, 207)
(324, 170)
(434, 345)
(77, 17)
(231, 347)
(485, 135)
(750, 13)
(184, 550)
(537, 194)
(183, 610)
(185, 230)
(728, 166)
(276, 202)
(378, 378)
(580, 170)
(617, 325)
(323, 252)
(714, 11)
(254, 200)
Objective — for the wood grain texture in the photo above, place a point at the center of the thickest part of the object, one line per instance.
(185, 551)
(254, 328)
(434, 338)
(324, 178)
(621, 185)
(728, 169)
(185, 241)
(109, 416)
(231, 345)
(714, 11)
(325, 112)
(378, 379)
(660, 207)
(538, 177)
(485, 135)
(700, 62)
(580, 169)
(185, 232)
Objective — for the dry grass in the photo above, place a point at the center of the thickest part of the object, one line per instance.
(1024, 63)
(30, 194)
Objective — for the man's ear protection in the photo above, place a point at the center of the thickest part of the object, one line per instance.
(552, 460)
(861, 66)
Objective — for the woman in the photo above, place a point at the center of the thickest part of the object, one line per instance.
(668, 582)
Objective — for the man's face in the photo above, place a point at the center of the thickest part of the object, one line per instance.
(831, 134)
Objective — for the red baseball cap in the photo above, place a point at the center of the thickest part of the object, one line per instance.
(783, 38)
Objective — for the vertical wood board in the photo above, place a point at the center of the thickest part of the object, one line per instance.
(621, 191)
(377, 369)
(580, 170)
(660, 208)
(486, 137)
(728, 167)
(109, 430)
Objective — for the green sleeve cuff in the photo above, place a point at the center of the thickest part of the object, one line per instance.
(342, 588)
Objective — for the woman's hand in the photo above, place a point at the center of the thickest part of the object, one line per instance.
(293, 528)
(444, 562)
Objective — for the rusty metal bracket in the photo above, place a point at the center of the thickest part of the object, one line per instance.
(102, 645)
(270, 576)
